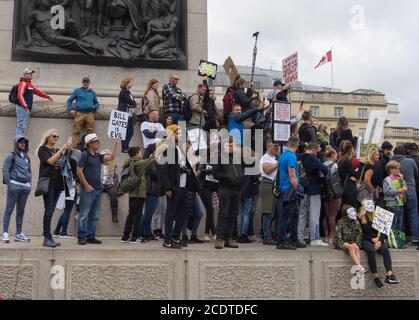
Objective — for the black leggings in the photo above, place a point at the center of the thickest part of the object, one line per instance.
(369, 249)
(206, 197)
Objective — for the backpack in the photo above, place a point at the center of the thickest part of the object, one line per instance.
(13, 164)
(129, 179)
(304, 179)
(334, 189)
(186, 109)
(13, 95)
(228, 102)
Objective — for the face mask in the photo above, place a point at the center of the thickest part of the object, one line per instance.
(352, 214)
(369, 206)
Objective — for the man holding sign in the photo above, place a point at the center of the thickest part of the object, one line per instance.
(373, 241)
(118, 125)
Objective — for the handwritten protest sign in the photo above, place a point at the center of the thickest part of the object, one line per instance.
(118, 125)
(290, 69)
(383, 221)
(195, 135)
(281, 124)
(208, 69)
(282, 112)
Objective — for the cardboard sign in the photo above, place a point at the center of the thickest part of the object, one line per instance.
(194, 135)
(207, 69)
(290, 69)
(383, 221)
(118, 125)
(231, 70)
(375, 127)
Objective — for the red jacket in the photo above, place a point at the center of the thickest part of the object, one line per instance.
(25, 93)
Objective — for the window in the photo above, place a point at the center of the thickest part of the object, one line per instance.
(315, 111)
(338, 112)
(362, 132)
(362, 113)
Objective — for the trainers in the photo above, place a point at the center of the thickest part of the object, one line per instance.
(244, 240)
(269, 242)
(56, 235)
(136, 241)
(22, 238)
(207, 238)
(230, 243)
(219, 243)
(125, 239)
(5, 238)
(286, 247)
(65, 235)
(195, 239)
(82, 242)
(172, 245)
(93, 241)
(49, 243)
(318, 243)
(181, 243)
(391, 280)
(378, 283)
(299, 245)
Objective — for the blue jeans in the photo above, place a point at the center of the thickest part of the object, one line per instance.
(16, 197)
(149, 208)
(243, 219)
(267, 221)
(287, 221)
(197, 216)
(22, 120)
(62, 225)
(176, 116)
(130, 134)
(89, 213)
(412, 215)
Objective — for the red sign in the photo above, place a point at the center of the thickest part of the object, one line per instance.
(290, 69)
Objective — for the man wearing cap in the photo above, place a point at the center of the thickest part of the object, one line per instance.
(279, 92)
(25, 92)
(89, 171)
(86, 104)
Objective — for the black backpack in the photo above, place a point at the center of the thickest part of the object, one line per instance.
(13, 95)
(334, 189)
(13, 164)
(304, 179)
(129, 179)
(186, 109)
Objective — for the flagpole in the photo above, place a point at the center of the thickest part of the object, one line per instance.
(331, 65)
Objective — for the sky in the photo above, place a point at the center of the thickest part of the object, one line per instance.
(375, 43)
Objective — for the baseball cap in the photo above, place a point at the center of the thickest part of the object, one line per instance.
(278, 83)
(91, 138)
(27, 71)
(412, 146)
(86, 79)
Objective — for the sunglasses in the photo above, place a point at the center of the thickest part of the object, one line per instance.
(55, 137)
(177, 79)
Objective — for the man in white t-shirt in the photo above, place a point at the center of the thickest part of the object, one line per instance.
(152, 130)
(268, 169)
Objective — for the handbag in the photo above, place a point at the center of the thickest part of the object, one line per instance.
(42, 186)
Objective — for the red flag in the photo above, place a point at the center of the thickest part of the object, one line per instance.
(325, 59)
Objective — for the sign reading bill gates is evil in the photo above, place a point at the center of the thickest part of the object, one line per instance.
(290, 69)
(118, 125)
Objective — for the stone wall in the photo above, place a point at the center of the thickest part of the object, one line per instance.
(116, 271)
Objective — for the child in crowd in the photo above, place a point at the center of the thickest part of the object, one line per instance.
(395, 189)
(348, 236)
(372, 242)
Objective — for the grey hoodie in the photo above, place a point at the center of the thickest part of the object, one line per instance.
(21, 172)
(409, 170)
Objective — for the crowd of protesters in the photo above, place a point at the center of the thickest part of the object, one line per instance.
(315, 192)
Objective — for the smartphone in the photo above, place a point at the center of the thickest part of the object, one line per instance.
(70, 140)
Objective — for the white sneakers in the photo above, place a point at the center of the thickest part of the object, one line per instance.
(207, 238)
(18, 238)
(319, 243)
(5, 238)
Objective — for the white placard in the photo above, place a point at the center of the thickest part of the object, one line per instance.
(282, 112)
(282, 132)
(375, 127)
(383, 221)
(118, 125)
(194, 135)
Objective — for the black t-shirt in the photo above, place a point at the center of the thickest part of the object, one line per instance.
(92, 168)
(50, 171)
(364, 170)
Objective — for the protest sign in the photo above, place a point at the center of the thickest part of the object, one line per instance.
(375, 127)
(290, 69)
(282, 112)
(383, 221)
(281, 124)
(118, 125)
(231, 70)
(207, 69)
(195, 135)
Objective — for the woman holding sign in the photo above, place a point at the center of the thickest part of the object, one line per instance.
(372, 242)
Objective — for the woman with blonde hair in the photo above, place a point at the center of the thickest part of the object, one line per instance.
(50, 174)
(127, 103)
(372, 242)
(322, 134)
(151, 100)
